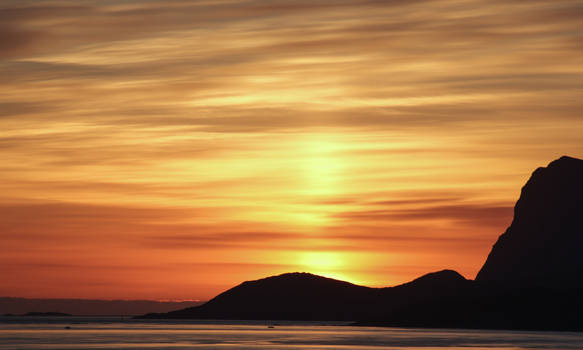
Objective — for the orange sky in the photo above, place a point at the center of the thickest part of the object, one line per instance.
(172, 149)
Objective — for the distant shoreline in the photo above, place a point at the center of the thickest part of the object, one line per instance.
(89, 307)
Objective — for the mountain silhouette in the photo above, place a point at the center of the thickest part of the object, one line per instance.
(304, 296)
(441, 280)
(531, 278)
(295, 296)
(543, 244)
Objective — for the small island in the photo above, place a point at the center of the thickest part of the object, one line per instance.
(47, 314)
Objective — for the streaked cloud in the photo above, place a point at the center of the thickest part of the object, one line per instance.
(479, 215)
(368, 140)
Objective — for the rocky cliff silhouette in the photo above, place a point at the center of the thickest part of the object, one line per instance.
(531, 278)
(542, 246)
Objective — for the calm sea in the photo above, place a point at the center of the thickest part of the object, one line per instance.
(116, 333)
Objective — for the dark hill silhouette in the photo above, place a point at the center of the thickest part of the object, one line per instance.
(441, 280)
(304, 296)
(531, 279)
(542, 246)
(295, 296)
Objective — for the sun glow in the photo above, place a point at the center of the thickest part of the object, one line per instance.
(321, 167)
(190, 145)
(330, 264)
(321, 260)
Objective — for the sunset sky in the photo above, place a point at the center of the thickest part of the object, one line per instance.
(173, 149)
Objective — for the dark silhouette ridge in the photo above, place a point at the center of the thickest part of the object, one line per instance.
(542, 246)
(441, 279)
(296, 296)
(304, 296)
(531, 279)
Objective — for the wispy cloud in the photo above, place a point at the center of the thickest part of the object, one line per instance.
(461, 214)
(228, 128)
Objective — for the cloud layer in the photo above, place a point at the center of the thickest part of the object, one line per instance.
(226, 140)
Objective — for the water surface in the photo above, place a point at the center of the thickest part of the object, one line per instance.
(114, 333)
